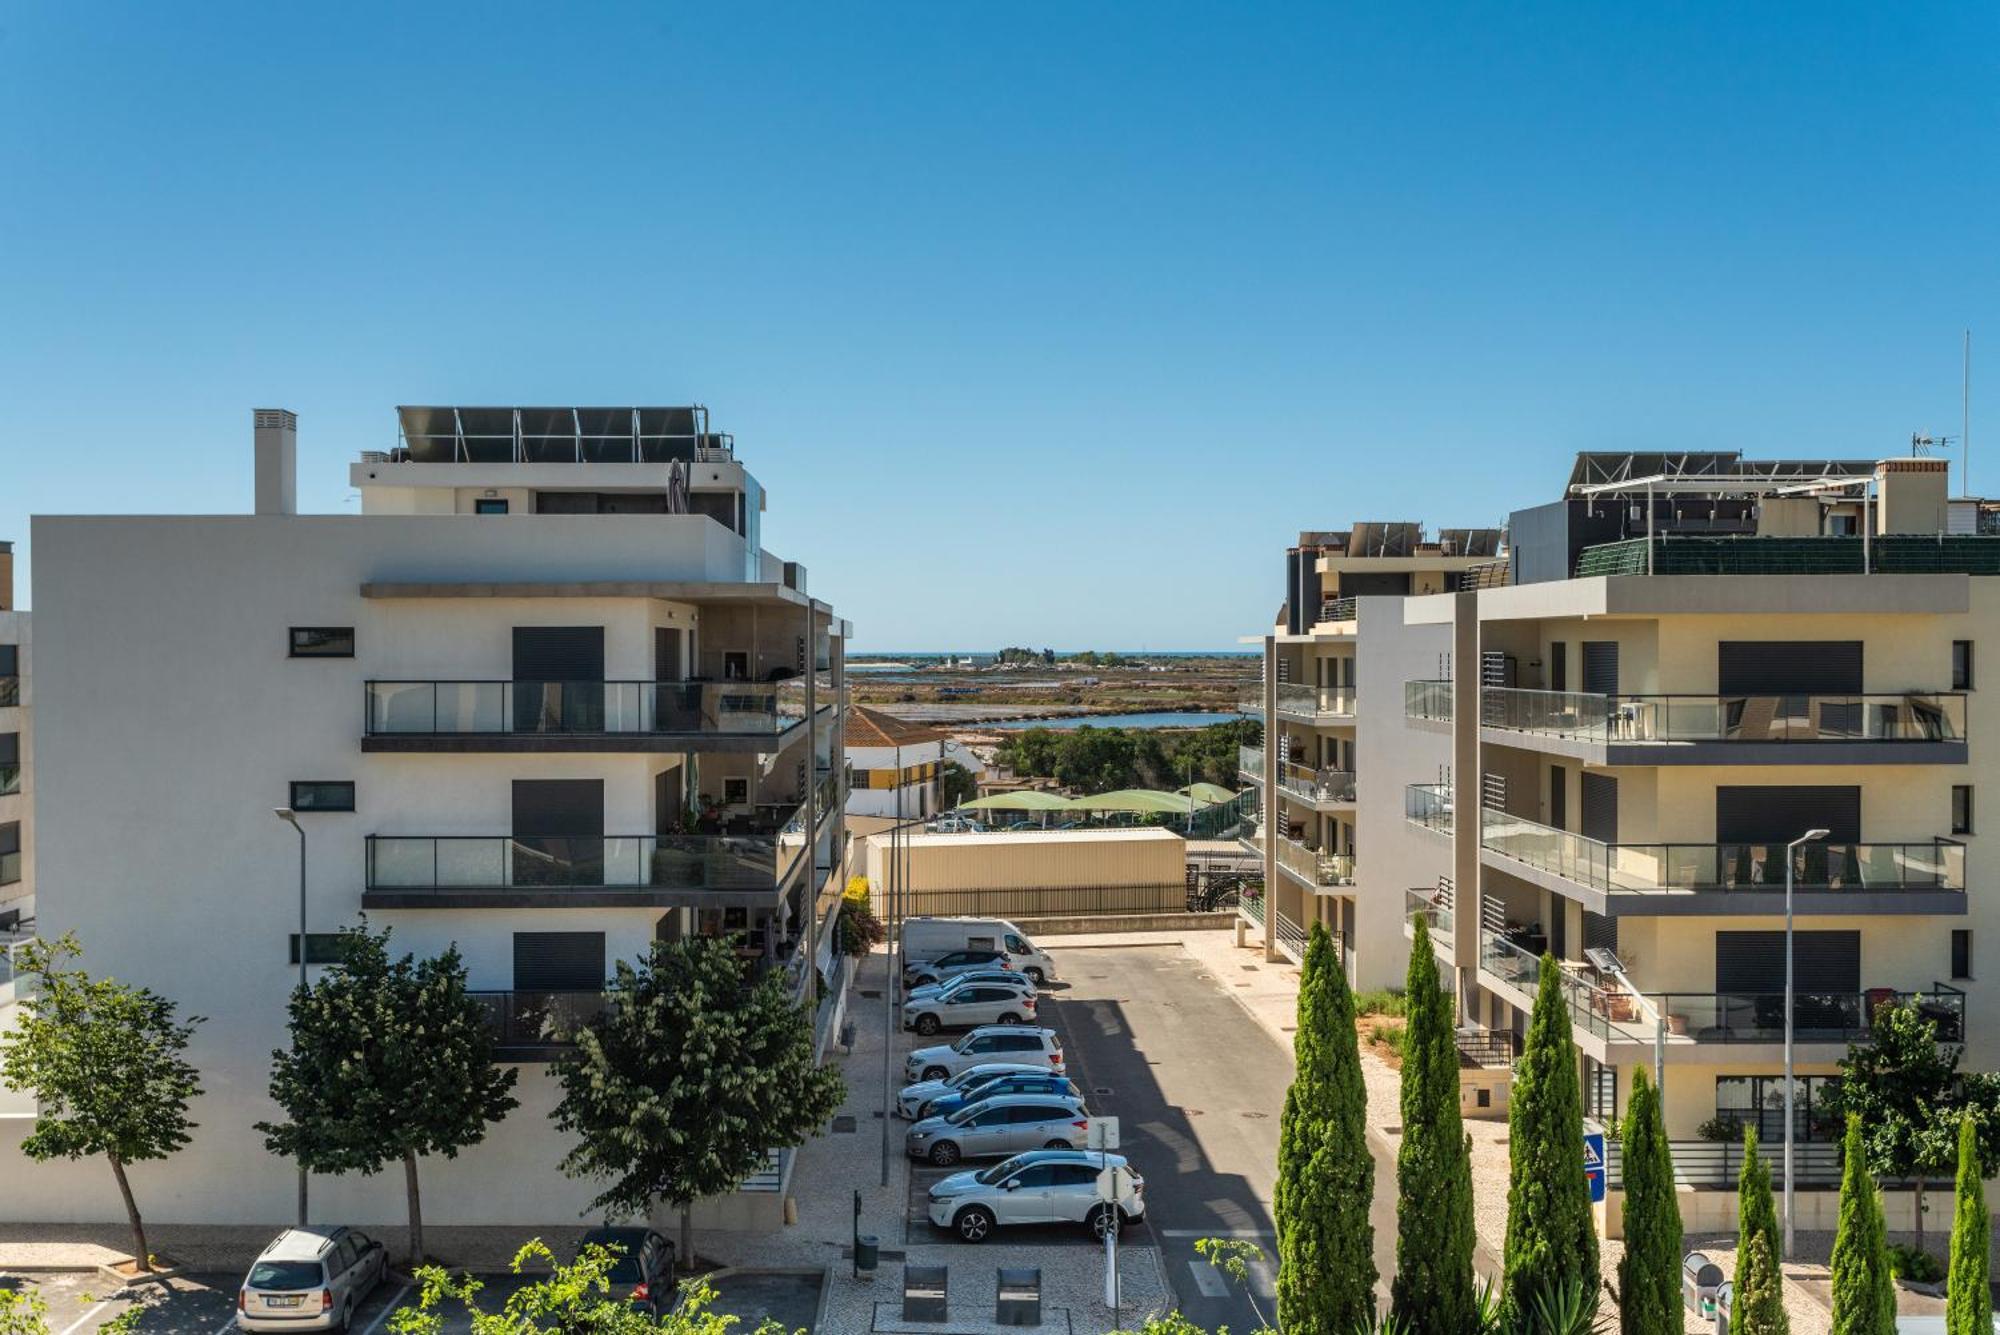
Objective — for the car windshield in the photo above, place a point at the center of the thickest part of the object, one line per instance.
(959, 1118)
(625, 1268)
(1001, 1171)
(285, 1275)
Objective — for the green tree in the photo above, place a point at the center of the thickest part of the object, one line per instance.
(691, 1075)
(1912, 1100)
(572, 1300)
(1095, 760)
(1326, 1177)
(23, 1312)
(956, 785)
(1433, 1289)
(1756, 1208)
(1649, 1275)
(104, 1061)
(1757, 1301)
(1968, 1298)
(1551, 1236)
(1864, 1292)
(391, 1061)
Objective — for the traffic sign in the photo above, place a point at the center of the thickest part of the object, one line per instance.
(1102, 1134)
(1593, 1163)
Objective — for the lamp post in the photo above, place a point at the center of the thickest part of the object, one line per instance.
(290, 817)
(1791, 853)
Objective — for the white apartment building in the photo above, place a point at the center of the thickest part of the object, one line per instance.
(17, 825)
(545, 698)
(893, 765)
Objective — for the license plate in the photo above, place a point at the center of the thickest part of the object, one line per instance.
(292, 1301)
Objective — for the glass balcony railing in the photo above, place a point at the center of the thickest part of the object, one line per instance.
(1428, 805)
(1316, 868)
(1938, 865)
(553, 708)
(1904, 717)
(1427, 700)
(1590, 1006)
(1315, 701)
(1250, 761)
(1433, 906)
(1817, 1017)
(539, 1019)
(632, 862)
(1316, 785)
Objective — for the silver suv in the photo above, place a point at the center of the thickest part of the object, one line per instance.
(969, 1007)
(1003, 977)
(994, 1043)
(1040, 1187)
(310, 1279)
(1007, 1124)
(913, 1097)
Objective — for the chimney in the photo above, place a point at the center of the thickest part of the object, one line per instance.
(1910, 495)
(277, 461)
(6, 576)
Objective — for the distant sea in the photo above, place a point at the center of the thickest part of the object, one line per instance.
(1122, 653)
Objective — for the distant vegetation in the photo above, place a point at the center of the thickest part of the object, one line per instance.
(1096, 760)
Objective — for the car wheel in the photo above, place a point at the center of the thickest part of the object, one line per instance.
(973, 1224)
(927, 1024)
(1010, 1018)
(944, 1154)
(1036, 976)
(346, 1322)
(1102, 1220)
(936, 1073)
(1058, 1145)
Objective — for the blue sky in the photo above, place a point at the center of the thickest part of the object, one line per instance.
(1045, 324)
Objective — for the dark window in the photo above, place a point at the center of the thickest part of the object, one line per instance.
(322, 795)
(1754, 962)
(1779, 814)
(735, 792)
(10, 852)
(1558, 665)
(322, 641)
(1600, 807)
(1961, 808)
(1558, 797)
(1961, 665)
(10, 674)
(321, 947)
(1759, 1100)
(1600, 667)
(10, 762)
(1961, 952)
(558, 961)
(489, 507)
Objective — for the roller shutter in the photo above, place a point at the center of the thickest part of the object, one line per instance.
(1600, 667)
(1600, 807)
(1779, 814)
(558, 961)
(1754, 962)
(1788, 667)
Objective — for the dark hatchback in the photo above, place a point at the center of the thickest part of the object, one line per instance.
(644, 1268)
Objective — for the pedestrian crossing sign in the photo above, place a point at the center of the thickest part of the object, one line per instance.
(1593, 1163)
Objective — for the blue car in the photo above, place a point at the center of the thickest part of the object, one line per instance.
(1039, 1083)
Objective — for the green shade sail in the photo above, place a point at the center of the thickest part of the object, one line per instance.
(1027, 799)
(1207, 794)
(1134, 799)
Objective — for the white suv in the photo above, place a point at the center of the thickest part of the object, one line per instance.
(994, 1043)
(1039, 1187)
(968, 1007)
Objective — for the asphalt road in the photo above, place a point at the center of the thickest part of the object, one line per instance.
(1197, 1085)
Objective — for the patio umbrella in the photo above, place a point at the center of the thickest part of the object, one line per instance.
(1207, 794)
(1027, 799)
(677, 490)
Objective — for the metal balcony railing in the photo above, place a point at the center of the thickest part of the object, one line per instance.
(1252, 907)
(1317, 785)
(1912, 716)
(1938, 865)
(632, 862)
(539, 1019)
(1428, 700)
(1289, 936)
(1336, 609)
(1428, 805)
(461, 708)
(1487, 1048)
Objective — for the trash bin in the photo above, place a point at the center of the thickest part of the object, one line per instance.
(1018, 1301)
(924, 1290)
(867, 1255)
(1700, 1278)
(1722, 1299)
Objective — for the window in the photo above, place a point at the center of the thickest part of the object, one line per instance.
(489, 507)
(1961, 665)
(10, 763)
(1745, 1100)
(322, 641)
(1961, 808)
(1961, 952)
(735, 666)
(10, 674)
(10, 852)
(321, 947)
(735, 792)
(322, 795)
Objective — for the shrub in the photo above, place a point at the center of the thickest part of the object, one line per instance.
(1906, 1262)
(1388, 1001)
(1722, 1129)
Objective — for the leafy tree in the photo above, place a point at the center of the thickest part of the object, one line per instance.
(23, 1312)
(687, 1079)
(1968, 1298)
(104, 1062)
(1864, 1292)
(1756, 1208)
(956, 785)
(1433, 1288)
(391, 1061)
(1551, 1237)
(1757, 1303)
(1233, 1257)
(1326, 1177)
(1649, 1275)
(858, 929)
(1095, 760)
(1912, 1100)
(573, 1300)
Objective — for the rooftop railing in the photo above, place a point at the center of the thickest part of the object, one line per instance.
(753, 861)
(1428, 700)
(1336, 609)
(1428, 805)
(1317, 785)
(1936, 865)
(1911, 716)
(1883, 554)
(555, 708)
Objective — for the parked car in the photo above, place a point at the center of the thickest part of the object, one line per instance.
(997, 1127)
(1004, 977)
(992, 1043)
(917, 972)
(968, 1007)
(644, 1269)
(915, 1096)
(1037, 1082)
(955, 825)
(310, 1279)
(927, 938)
(1039, 1187)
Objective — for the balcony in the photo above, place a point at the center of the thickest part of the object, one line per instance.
(1321, 871)
(1428, 805)
(1315, 703)
(1434, 906)
(1428, 701)
(1890, 728)
(593, 716)
(1669, 878)
(1250, 762)
(1321, 787)
(536, 1026)
(1336, 609)
(668, 870)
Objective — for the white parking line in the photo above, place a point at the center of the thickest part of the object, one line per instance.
(85, 1317)
(1218, 1233)
(1208, 1280)
(223, 1329)
(394, 1303)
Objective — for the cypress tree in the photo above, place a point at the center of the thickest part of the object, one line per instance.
(1433, 1288)
(1649, 1276)
(1756, 1209)
(1968, 1299)
(1757, 1303)
(1551, 1237)
(1326, 1178)
(1864, 1292)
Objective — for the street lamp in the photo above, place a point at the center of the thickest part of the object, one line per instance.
(1607, 961)
(290, 817)
(1791, 854)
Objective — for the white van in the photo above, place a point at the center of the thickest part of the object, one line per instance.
(928, 938)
